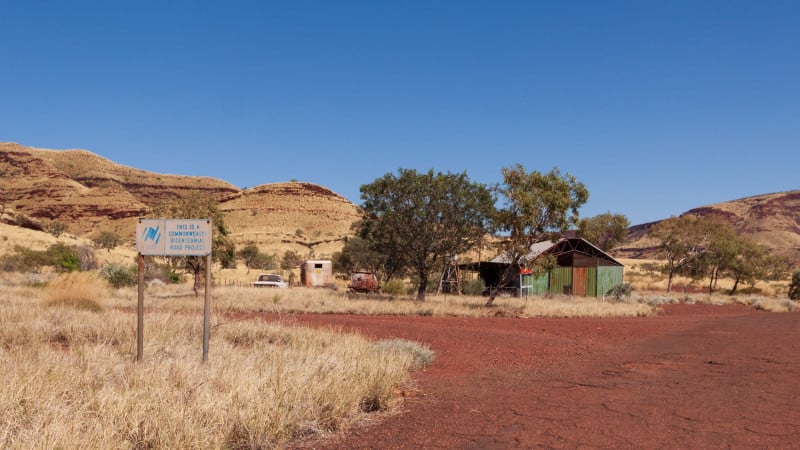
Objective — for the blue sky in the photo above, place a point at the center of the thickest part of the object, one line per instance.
(657, 106)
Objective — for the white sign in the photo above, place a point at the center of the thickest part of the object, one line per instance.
(173, 237)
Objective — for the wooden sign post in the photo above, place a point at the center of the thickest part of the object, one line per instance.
(173, 237)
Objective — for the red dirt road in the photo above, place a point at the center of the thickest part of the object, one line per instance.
(696, 376)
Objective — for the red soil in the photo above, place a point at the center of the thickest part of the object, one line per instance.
(694, 376)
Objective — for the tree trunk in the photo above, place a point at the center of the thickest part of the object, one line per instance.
(669, 280)
(504, 280)
(712, 279)
(492, 295)
(735, 285)
(423, 286)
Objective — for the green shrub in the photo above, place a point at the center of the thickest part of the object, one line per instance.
(24, 260)
(174, 277)
(248, 253)
(474, 287)
(119, 275)
(620, 291)
(107, 240)
(394, 287)
(262, 261)
(64, 258)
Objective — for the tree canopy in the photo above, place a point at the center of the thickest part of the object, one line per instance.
(606, 230)
(197, 206)
(682, 240)
(417, 219)
(708, 246)
(535, 207)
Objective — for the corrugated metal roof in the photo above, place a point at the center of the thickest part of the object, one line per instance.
(536, 250)
(540, 248)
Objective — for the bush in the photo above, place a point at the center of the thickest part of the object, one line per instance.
(659, 300)
(474, 287)
(107, 240)
(291, 260)
(87, 258)
(620, 291)
(262, 261)
(64, 258)
(56, 228)
(774, 305)
(248, 253)
(26, 222)
(174, 277)
(24, 260)
(794, 287)
(119, 275)
(421, 354)
(394, 287)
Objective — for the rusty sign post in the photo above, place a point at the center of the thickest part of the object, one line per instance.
(173, 237)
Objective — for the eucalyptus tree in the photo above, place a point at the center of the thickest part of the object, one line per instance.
(605, 230)
(535, 206)
(416, 220)
(682, 241)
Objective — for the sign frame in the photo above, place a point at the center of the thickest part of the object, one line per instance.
(173, 237)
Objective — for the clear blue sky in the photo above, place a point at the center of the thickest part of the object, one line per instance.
(657, 106)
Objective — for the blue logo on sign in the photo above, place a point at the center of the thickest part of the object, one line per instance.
(151, 234)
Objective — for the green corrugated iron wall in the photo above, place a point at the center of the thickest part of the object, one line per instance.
(539, 284)
(580, 281)
(591, 282)
(607, 278)
(536, 286)
(560, 278)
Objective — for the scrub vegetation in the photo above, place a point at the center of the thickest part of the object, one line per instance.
(68, 377)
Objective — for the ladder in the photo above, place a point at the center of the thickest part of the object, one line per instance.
(449, 283)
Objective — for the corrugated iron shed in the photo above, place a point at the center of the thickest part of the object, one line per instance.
(583, 269)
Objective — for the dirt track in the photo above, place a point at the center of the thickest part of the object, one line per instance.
(695, 376)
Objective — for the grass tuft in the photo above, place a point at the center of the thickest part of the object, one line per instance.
(79, 290)
(775, 305)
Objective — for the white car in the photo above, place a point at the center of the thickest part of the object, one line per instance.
(270, 280)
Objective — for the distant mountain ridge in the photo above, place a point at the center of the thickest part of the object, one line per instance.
(90, 194)
(770, 219)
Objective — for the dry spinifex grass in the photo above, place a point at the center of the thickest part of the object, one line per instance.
(305, 300)
(68, 380)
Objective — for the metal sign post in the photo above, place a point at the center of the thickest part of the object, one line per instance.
(173, 237)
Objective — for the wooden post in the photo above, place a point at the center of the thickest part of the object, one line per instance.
(207, 309)
(140, 312)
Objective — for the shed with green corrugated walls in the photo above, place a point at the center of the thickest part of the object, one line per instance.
(582, 270)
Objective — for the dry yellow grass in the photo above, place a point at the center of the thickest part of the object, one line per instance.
(775, 305)
(82, 290)
(231, 300)
(68, 379)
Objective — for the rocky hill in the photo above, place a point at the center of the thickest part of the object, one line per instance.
(771, 219)
(90, 194)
